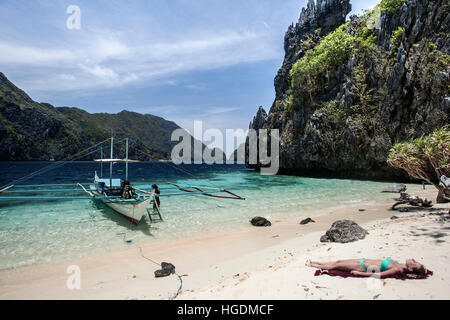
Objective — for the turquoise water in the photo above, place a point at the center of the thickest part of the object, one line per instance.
(43, 231)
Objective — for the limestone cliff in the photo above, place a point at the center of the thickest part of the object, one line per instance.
(347, 91)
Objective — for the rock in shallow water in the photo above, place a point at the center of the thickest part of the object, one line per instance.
(396, 189)
(344, 231)
(260, 222)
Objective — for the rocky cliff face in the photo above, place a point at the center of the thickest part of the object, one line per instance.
(323, 17)
(346, 92)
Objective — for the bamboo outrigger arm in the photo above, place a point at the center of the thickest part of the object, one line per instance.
(143, 191)
(4, 189)
(234, 196)
(84, 189)
(146, 192)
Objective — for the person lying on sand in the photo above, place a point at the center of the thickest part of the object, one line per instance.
(367, 267)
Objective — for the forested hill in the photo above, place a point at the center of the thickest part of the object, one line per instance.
(39, 131)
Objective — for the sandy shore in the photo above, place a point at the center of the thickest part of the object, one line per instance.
(257, 263)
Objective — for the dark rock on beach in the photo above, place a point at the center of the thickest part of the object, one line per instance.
(260, 222)
(307, 220)
(344, 231)
(166, 270)
(323, 127)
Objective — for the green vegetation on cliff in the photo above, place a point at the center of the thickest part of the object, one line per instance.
(311, 73)
(319, 61)
(395, 42)
(426, 158)
(347, 92)
(391, 6)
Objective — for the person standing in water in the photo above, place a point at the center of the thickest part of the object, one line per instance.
(156, 204)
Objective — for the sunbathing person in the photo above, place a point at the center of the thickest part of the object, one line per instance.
(369, 267)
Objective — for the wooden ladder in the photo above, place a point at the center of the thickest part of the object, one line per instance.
(154, 216)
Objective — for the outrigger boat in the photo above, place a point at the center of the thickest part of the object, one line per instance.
(118, 194)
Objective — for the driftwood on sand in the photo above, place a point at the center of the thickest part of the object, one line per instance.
(444, 191)
(398, 188)
(412, 201)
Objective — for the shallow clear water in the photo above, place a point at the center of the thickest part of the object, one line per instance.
(43, 231)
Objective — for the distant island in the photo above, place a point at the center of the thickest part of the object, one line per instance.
(39, 131)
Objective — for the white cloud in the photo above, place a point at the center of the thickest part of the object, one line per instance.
(26, 55)
(67, 77)
(221, 110)
(100, 72)
(103, 59)
(163, 111)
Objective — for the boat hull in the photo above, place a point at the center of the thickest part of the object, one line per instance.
(133, 210)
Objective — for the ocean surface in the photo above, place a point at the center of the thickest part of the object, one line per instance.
(40, 231)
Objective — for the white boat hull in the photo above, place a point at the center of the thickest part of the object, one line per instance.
(133, 210)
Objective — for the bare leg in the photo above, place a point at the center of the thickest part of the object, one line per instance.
(321, 265)
(344, 265)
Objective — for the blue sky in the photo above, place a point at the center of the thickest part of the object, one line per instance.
(209, 60)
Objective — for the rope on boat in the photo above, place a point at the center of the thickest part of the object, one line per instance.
(58, 163)
(146, 192)
(233, 196)
(53, 165)
(4, 189)
(88, 192)
(164, 162)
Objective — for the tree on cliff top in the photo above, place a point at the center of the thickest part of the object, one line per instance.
(426, 158)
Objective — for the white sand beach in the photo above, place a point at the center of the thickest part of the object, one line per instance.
(258, 263)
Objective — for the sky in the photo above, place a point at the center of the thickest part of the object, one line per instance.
(206, 60)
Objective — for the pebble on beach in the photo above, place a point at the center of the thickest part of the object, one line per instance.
(307, 220)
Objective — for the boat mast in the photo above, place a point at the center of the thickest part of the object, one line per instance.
(126, 163)
(101, 162)
(111, 164)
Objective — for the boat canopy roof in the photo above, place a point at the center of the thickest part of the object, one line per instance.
(115, 182)
(108, 160)
(115, 160)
